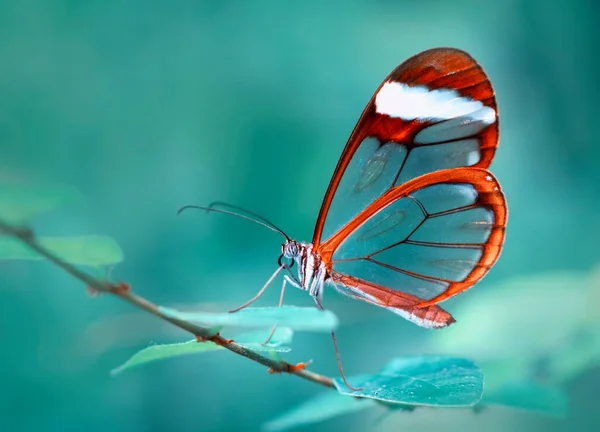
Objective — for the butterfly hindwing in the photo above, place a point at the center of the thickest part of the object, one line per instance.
(403, 304)
(430, 238)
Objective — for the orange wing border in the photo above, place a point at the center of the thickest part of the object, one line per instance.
(436, 68)
(402, 303)
(489, 195)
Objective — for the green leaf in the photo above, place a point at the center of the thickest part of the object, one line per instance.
(510, 383)
(20, 203)
(159, 352)
(421, 381)
(322, 407)
(403, 383)
(548, 318)
(499, 372)
(521, 309)
(583, 353)
(280, 342)
(297, 318)
(529, 395)
(91, 250)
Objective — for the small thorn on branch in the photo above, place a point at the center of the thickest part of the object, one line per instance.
(219, 340)
(120, 288)
(289, 368)
(297, 367)
(216, 339)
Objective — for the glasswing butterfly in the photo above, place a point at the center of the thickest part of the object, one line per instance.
(411, 216)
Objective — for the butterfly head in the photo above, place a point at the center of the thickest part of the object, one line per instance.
(291, 249)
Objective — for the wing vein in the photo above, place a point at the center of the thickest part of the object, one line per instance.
(444, 244)
(420, 276)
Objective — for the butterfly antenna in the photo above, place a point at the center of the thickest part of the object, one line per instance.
(245, 211)
(258, 220)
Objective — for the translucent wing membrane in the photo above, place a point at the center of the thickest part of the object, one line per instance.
(403, 304)
(421, 242)
(435, 111)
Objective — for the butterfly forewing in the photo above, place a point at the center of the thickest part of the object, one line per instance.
(405, 223)
(434, 111)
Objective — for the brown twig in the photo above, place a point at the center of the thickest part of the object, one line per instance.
(123, 291)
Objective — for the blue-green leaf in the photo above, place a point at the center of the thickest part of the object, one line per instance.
(159, 352)
(20, 203)
(297, 318)
(529, 395)
(499, 372)
(583, 353)
(510, 383)
(90, 250)
(421, 381)
(322, 407)
(523, 330)
(568, 347)
(280, 342)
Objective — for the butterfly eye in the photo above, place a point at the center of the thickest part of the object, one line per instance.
(290, 249)
(282, 256)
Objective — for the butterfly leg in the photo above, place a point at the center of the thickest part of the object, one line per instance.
(285, 278)
(337, 352)
(291, 278)
(260, 293)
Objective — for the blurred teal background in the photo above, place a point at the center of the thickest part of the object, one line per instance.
(147, 106)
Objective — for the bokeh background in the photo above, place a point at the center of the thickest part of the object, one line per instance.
(147, 106)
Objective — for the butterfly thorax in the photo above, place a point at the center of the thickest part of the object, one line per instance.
(312, 272)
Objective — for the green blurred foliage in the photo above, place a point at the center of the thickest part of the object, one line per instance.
(145, 107)
(90, 250)
(20, 203)
(322, 407)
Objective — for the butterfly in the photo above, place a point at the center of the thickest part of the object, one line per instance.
(412, 216)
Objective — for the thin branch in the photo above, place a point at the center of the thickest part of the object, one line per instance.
(124, 292)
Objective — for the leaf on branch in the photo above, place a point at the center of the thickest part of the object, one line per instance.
(437, 382)
(20, 203)
(523, 330)
(280, 342)
(421, 381)
(511, 383)
(528, 349)
(320, 408)
(294, 317)
(580, 355)
(90, 250)
(529, 395)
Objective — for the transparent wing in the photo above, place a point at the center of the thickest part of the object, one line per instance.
(403, 304)
(434, 111)
(430, 238)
